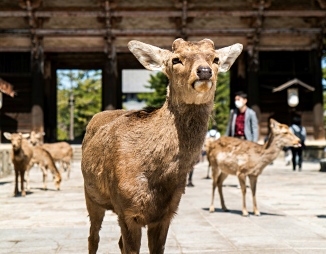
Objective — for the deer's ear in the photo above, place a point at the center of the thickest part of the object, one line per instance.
(151, 57)
(40, 134)
(273, 123)
(227, 56)
(7, 135)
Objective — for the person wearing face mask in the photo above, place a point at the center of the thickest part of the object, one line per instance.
(243, 121)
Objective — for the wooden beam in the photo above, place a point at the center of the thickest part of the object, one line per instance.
(159, 32)
(60, 12)
(126, 50)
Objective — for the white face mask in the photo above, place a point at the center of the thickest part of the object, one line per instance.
(239, 103)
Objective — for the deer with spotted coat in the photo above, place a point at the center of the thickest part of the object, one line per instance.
(233, 156)
(135, 163)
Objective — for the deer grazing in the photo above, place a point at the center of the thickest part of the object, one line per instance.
(21, 156)
(61, 152)
(233, 156)
(135, 163)
(44, 160)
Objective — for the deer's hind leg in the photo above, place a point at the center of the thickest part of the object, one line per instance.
(220, 181)
(242, 181)
(253, 184)
(96, 214)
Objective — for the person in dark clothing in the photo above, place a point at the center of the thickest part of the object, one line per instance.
(300, 131)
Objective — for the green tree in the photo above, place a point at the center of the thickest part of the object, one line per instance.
(221, 109)
(87, 90)
(222, 102)
(159, 84)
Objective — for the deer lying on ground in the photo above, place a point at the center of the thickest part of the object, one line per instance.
(61, 152)
(44, 160)
(243, 158)
(21, 156)
(135, 163)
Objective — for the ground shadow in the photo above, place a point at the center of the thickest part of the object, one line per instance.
(5, 182)
(239, 212)
(20, 194)
(321, 216)
(234, 186)
(39, 188)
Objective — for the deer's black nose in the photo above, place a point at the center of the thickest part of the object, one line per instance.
(204, 72)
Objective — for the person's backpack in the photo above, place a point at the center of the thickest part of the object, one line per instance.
(299, 134)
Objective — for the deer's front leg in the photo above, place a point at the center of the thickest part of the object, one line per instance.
(157, 234)
(130, 239)
(220, 181)
(253, 184)
(22, 179)
(242, 181)
(215, 176)
(16, 183)
(45, 177)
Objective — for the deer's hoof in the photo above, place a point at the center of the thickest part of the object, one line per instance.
(211, 209)
(23, 193)
(245, 214)
(257, 214)
(226, 210)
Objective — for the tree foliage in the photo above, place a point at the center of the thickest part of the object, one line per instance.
(158, 83)
(87, 90)
(222, 102)
(221, 109)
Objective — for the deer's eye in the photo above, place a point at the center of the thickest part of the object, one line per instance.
(176, 61)
(216, 59)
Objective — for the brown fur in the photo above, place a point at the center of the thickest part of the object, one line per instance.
(20, 156)
(61, 152)
(244, 158)
(43, 158)
(135, 163)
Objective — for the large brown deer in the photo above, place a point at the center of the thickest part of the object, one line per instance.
(135, 163)
(21, 156)
(233, 156)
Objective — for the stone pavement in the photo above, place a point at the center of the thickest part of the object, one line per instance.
(293, 207)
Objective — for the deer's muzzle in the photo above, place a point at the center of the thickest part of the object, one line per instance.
(202, 86)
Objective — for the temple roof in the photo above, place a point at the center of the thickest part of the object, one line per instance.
(106, 26)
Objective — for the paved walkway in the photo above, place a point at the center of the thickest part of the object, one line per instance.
(293, 207)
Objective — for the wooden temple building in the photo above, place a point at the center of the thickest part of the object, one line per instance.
(283, 40)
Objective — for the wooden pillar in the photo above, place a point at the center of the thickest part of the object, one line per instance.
(111, 89)
(237, 78)
(319, 132)
(50, 102)
(253, 89)
(37, 97)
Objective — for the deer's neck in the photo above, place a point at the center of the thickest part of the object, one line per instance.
(190, 123)
(271, 149)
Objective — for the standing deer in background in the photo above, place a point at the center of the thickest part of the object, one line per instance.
(243, 158)
(135, 163)
(61, 152)
(21, 156)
